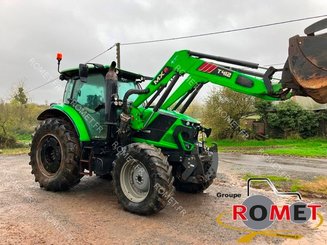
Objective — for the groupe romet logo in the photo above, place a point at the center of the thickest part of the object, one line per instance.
(259, 212)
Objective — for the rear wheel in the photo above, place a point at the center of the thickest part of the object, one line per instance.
(54, 155)
(142, 179)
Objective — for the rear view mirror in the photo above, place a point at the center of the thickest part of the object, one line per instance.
(83, 72)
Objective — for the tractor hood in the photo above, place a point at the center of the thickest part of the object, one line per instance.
(174, 114)
(181, 116)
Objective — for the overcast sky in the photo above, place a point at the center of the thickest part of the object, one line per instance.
(32, 32)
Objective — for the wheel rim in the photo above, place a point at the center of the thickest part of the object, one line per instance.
(135, 181)
(49, 155)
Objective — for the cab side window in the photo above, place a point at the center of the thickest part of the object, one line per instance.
(90, 94)
(68, 91)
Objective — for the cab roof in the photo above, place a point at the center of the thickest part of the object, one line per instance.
(103, 69)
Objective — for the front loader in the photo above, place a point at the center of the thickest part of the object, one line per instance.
(141, 137)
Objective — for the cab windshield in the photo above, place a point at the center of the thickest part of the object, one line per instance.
(123, 87)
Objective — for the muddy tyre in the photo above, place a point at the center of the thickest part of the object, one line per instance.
(54, 155)
(142, 179)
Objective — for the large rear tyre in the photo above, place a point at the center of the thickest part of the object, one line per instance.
(142, 178)
(54, 155)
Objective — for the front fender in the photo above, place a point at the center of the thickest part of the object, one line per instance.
(71, 115)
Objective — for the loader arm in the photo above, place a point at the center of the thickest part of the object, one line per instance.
(304, 74)
(199, 71)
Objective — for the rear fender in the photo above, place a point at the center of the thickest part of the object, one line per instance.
(69, 114)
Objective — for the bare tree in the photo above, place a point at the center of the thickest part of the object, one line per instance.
(20, 99)
(224, 109)
(5, 117)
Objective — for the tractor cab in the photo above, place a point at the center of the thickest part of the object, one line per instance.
(88, 92)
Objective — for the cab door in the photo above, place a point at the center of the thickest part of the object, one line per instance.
(87, 98)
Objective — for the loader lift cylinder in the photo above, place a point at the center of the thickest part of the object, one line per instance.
(226, 60)
(193, 95)
(167, 92)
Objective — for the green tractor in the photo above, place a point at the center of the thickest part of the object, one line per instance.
(140, 137)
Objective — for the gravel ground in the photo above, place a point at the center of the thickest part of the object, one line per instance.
(89, 213)
(294, 167)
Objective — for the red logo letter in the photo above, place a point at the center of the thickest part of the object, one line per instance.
(285, 211)
(239, 210)
(314, 210)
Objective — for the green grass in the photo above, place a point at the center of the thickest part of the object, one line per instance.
(23, 141)
(314, 188)
(279, 181)
(319, 185)
(15, 151)
(273, 178)
(313, 147)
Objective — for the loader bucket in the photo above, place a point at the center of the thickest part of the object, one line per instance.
(305, 70)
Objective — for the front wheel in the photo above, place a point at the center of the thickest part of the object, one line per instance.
(142, 179)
